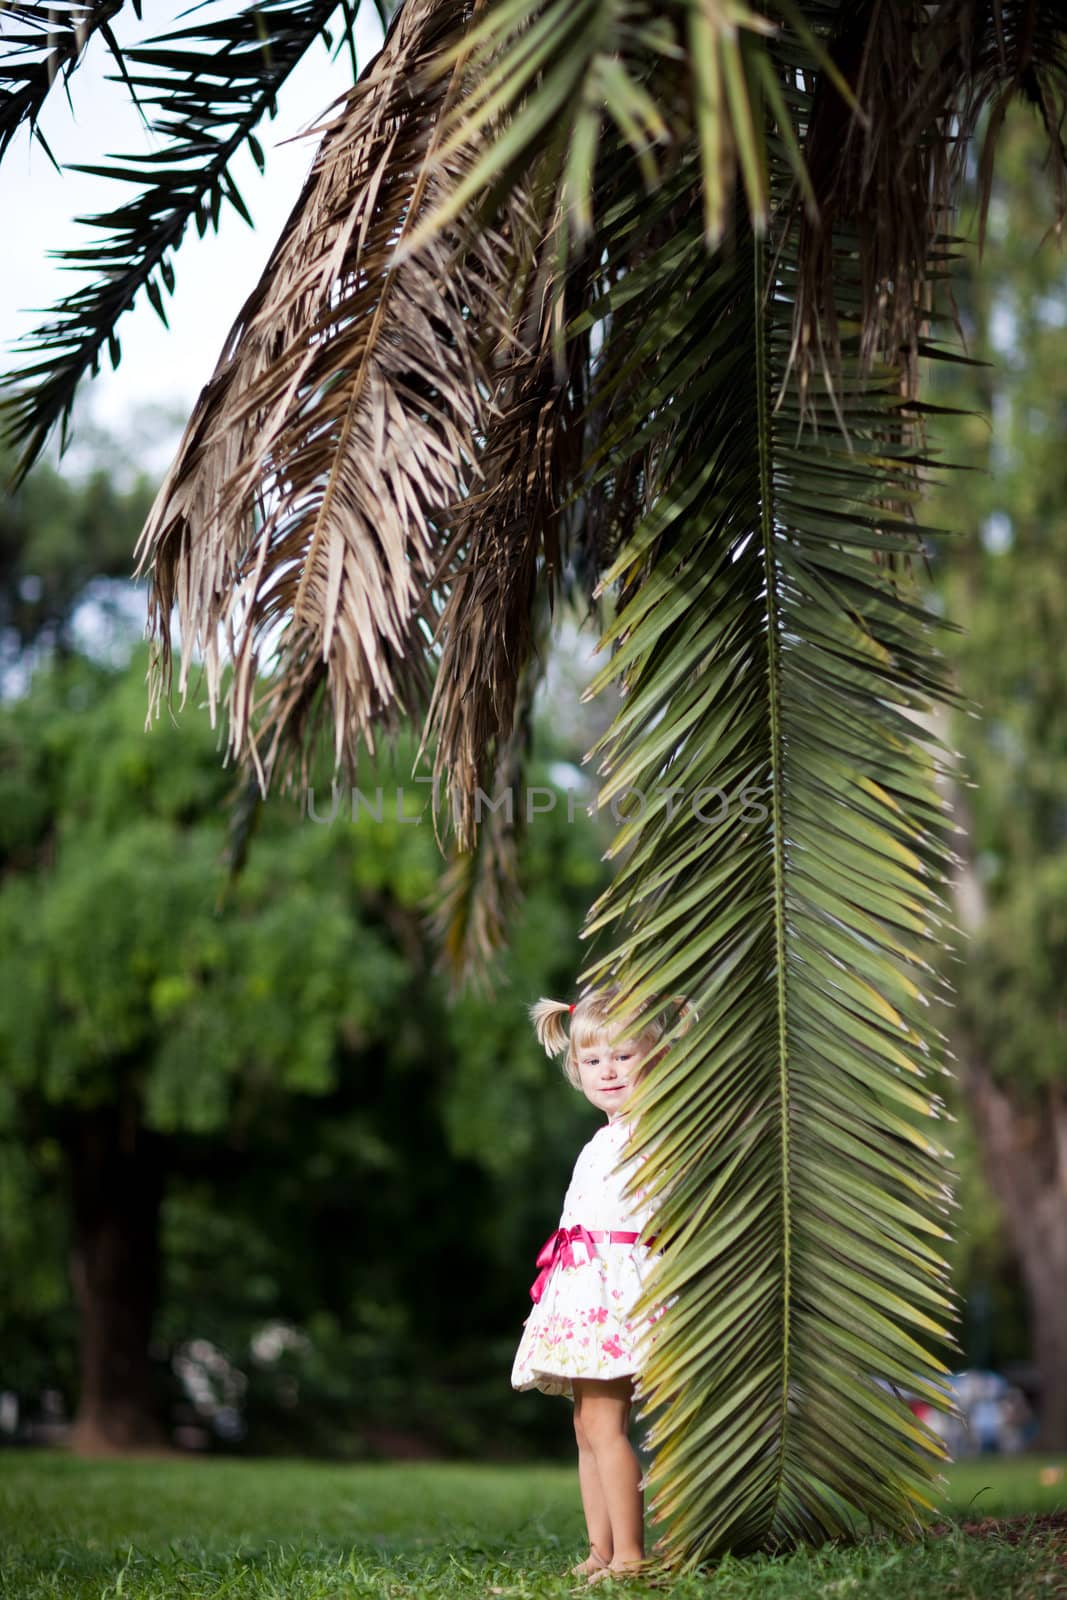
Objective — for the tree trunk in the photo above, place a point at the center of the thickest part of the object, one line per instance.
(1024, 1152)
(1022, 1141)
(115, 1173)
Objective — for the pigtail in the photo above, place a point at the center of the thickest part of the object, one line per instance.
(685, 1012)
(547, 1017)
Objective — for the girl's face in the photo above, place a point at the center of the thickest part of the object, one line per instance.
(607, 1072)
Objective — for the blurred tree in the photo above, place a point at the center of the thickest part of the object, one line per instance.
(280, 1039)
(131, 1008)
(1005, 581)
(62, 536)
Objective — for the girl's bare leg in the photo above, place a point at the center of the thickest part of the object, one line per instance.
(597, 1521)
(604, 1408)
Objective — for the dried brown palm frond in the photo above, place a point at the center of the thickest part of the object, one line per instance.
(871, 178)
(299, 521)
(922, 82)
(476, 897)
(984, 55)
(506, 555)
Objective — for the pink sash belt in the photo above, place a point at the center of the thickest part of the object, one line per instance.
(557, 1249)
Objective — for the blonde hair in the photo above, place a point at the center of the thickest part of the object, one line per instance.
(589, 1021)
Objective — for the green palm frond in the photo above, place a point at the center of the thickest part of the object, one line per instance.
(208, 86)
(784, 868)
(560, 76)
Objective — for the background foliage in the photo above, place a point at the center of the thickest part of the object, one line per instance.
(347, 1153)
(1002, 577)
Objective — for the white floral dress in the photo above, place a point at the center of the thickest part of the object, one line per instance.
(581, 1325)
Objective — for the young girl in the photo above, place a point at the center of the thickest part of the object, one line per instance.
(579, 1340)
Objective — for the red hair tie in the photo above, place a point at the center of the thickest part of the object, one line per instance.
(570, 1008)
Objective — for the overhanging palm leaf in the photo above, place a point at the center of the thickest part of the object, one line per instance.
(474, 904)
(765, 662)
(211, 85)
(43, 45)
(341, 424)
(771, 1424)
(926, 78)
(506, 558)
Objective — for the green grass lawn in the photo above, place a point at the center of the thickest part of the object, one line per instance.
(307, 1531)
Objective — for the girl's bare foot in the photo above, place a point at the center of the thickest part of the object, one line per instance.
(594, 1562)
(636, 1567)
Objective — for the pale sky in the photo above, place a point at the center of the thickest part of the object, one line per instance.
(213, 275)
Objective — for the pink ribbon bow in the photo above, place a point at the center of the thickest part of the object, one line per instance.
(556, 1249)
